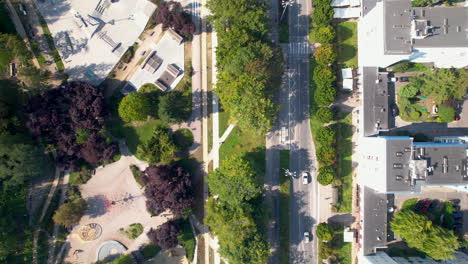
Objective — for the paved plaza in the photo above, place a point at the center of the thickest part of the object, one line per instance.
(115, 201)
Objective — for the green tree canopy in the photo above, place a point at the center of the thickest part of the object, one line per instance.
(408, 91)
(239, 238)
(446, 113)
(323, 76)
(244, 98)
(419, 232)
(135, 107)
(324, 232)
(174, 107)
(324, 114)
(326, 175)
(326, 155)
(323, 14)
(19, 161)
(325, 54)
(235, 181)
(70, 213)
(324, 34)
(443, 84)
(159, 148)
(324, 96)
(325, 136)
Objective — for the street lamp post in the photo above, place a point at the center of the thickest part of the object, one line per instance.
(285, 4)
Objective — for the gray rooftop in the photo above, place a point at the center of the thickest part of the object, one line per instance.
(152, 63)
(375, 220)
(397, 26)
(411, 165)
(376, 101)
(441, 26)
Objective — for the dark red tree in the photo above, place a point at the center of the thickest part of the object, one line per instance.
(171, 15)
(166, 235)
(167, 187)
(56, 115)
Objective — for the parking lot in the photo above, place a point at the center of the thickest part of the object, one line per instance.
(439, 195)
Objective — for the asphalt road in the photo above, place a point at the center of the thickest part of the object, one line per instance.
(303, 203)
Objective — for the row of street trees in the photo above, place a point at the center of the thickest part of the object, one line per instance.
(250, 66)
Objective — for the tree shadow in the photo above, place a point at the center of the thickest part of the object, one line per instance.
(346, 52)
(97, 205)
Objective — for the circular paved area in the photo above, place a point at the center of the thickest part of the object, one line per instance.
(110, 248)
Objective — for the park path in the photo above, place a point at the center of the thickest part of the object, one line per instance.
(21, 31)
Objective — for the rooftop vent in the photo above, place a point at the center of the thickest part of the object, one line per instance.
(399, 154)
(407, 149)
(397, 166)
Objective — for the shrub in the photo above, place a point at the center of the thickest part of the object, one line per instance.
(80, 177)
(324, 34)
(446, 113)
(135, 107)
(324, 114)
(325, 54)
(133, 231)
(323, 14)
(324, 232)
(325, 136)
(323, 76)
(172, 107)
(421, 2)
(326, 175)
(160, 148)
(325, 251)
(324, 96)
(166, 235)
(149, 251)
(123, 259)
(137, 174)
(326, 155)
(409, 204)
(183, 138)
(415, 114)
(408, 91)
(403, 66)
(70, 213)
(82, 135)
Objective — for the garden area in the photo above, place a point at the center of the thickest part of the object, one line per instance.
(346, 34)
(432, 96)
(331, 245)
(285, 191)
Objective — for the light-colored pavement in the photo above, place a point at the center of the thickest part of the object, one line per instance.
(63, 195)
(20, 29)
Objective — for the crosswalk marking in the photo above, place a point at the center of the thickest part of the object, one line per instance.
(299, 48)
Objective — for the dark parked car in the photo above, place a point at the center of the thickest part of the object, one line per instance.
(404, 79)
(425, 205)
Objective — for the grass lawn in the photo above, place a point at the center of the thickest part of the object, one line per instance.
(343, 253)
(50, 42)
(347, 44)
(344, 150)
(187, 239)
(240, 142)
(133, 134)
(285, 186)
(223, 120)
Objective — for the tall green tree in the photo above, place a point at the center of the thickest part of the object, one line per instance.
(443, 84)
(135, 107)
(324, 232)
(234, 182)
(70, 213)
(244, 98)
(160, 148)
(19, 160)
(419, 232)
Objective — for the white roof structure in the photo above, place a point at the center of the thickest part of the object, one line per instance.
(350, 12)
(92, 35)
(371, 45)
(172, 54)
(348, 235)
(347, 73)
(348, 84)
(340, 3)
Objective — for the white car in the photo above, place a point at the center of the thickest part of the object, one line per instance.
(306, 237)
(305, 178)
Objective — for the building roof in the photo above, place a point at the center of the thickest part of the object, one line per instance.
(397, 27)
(176, 37)
(337, 3)
(440, 26)
(348, 84)
(152, 63)
(410, 165)
(169, 75)
(347, 73)
(350, 12)
(376, 101)
(374, 233)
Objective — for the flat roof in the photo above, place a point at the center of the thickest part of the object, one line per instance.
(376, 101)
(397, 26)
(92, 35)
(374, 220)
(447, 26)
